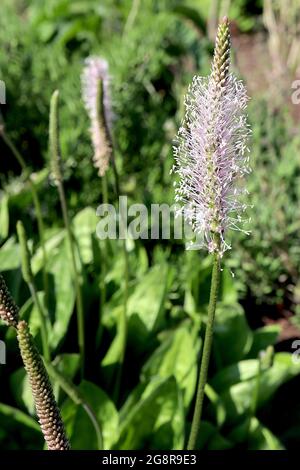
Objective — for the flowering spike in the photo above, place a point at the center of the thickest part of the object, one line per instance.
(95, 93)
(9, 311)
(54, 139)
(212, 155)
(46, 407)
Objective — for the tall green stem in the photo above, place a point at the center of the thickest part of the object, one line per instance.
(104, 265)
(37, 206)
(125, 298)
(79, 302)
(215, 281)
(109, 145)
(46, 350)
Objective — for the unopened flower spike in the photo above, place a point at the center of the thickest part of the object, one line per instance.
(9, 311)
(46, 408)
(96, 97)
(54, 147)
(45, 404)
(211, 155)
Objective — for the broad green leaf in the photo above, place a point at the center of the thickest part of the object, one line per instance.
(68, 365)
(18, 431)
(10, 255)
(210, 438)
(18, 416)
(233, 337)
(112, 358)
(193, 15)
(257, 436)
(262, 338)
(63, 293)
(228, 291)
(78, 425)
(214, 398)
(53, 239)
(147, 300)
(30, 313)
(84, 228)
(235, 373)
(239, 397)
(176, 356)
(19, 384)
(155, 420)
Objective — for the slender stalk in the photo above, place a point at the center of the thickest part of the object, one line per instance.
(29, 279)
(125, 300)
(96, 85)
(44, 336)
(103, 267)
(79, 302)
(57, 174)
(131, 17)
(102, 119)
(215, 281)
(37, 206)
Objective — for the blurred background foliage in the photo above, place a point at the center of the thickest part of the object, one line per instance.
(153, 47)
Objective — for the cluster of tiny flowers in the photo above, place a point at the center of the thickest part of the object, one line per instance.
(95, 74)
(211, 155)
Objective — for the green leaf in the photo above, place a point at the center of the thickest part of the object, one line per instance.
(228, 290)
(30, 313)
(217, 403)
(154, 419)
(176, 356)
(233, 374)
(238, 398)
(233, 337)
(113, 356)
(257, 436)
(262, 338)
(10, 255)
(54, 238)
(18, 431)
(193, 15)
(146, 305)
(20, 388)
(210, 438)
(78, 425)
(67, 365)
(63, 293)
(84, 228)
(18, 416)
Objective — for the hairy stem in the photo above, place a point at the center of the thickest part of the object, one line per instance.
(215, 281)
(125, 299)
(104, 265)
(44, 336)
(79, 302)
